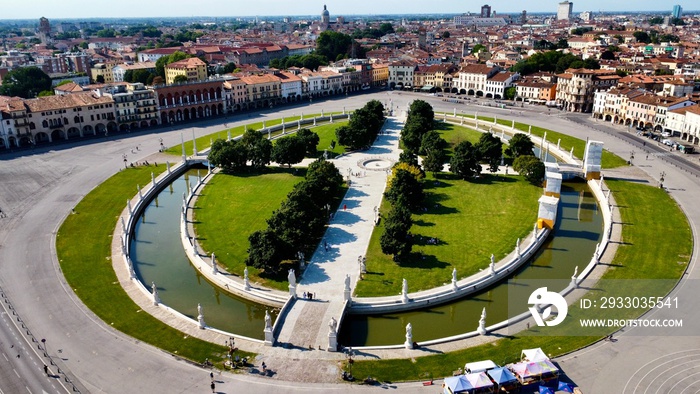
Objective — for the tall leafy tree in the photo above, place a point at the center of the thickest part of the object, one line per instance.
(288, 151)
(405, 185)
(396, 240)
(25, 82)
(331, 44)
(520, 145)
(310, 140)
(258, 147)
(531, 168)
(490, 150)
(465, 161)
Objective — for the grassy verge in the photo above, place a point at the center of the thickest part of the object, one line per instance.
(83, 245)
(232, 207)
(647, 212)
(205, 141)
(470, 220)
(609, 160)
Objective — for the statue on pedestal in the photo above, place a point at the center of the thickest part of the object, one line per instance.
(268, 321)
(409, 336)
(200, 316)
(332, 326)
(482, 323)
(291, 278)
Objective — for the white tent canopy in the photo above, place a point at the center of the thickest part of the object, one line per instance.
(533, 355)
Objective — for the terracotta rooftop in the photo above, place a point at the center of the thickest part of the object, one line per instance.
(66, 101)
(187, 63)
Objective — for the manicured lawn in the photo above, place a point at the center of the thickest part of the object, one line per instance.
(609, 160)
(326, 134)
(471, 220)
(83, 245)
(232, 207)
(647, 213)
(205, 141)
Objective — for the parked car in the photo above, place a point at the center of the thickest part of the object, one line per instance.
(667, 142)
(665, 134)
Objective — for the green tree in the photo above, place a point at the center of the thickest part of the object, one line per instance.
(310, 140)
(386, 28)
(642, 36)
(288, 151)
(84, 45)
(520, 145)
(165, 60)
(478, 48)
(331, 44)
(445, 34)
(45, 93)
(231, 155)
(65, 82)
(25, 82)
(258, 147)
(324, 177)
(490, 150)
(509, 93)
(266, 250)
(465, 161)
(396, 239)
(607, 55)
(531, 168)
(100, 79)
(404, 185)
(180, 79)
(106, 33)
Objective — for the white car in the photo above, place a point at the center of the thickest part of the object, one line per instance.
(665, 134)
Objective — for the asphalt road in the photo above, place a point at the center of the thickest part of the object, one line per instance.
(40, 187)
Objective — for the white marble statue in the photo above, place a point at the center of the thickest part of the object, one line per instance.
(291, 278)
(333, 326)
(347, 282)
(268, 321)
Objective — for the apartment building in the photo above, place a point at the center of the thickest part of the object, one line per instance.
(194, 69)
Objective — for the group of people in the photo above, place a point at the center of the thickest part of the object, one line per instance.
(309, 295)
(145, 163)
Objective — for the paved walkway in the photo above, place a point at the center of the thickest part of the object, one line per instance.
(347, 238)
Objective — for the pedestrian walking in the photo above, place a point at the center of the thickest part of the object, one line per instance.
(46, 369)
(211, 375)
(264, 367)
(213, 387)
(345, 206)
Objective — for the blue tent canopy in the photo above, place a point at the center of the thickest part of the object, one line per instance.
(565, 387)
(458, 384)
(545, 390)
(502, 375)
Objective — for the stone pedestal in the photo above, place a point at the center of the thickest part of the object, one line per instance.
(332, 342)
(293, 291)
(347, 296)
(269, 338)
(409, 337)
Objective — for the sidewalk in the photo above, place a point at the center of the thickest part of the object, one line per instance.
(346, 238)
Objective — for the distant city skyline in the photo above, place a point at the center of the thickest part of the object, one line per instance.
(224, 8)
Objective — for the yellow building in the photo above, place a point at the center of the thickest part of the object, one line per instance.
(193, 68)
(380, 74)
(104, 70)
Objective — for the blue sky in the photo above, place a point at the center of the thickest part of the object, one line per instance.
(33, 9)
